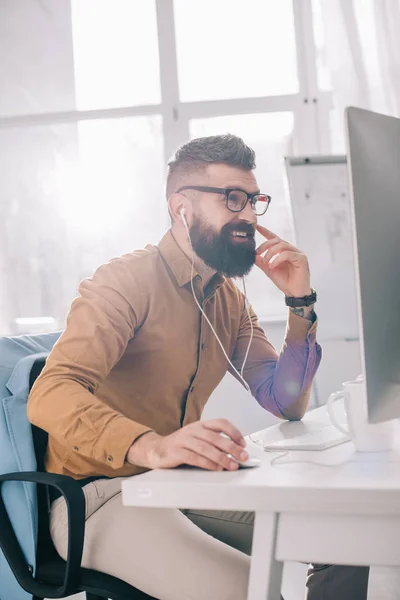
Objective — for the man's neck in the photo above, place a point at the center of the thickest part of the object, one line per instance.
(206, 273)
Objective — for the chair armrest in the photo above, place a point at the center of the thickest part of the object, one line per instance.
(75, 500)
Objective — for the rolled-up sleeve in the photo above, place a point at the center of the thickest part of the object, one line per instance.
(281, 383)
(63, 401)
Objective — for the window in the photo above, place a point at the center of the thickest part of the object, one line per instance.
(232, 49)
(118, 193)
(79, 194)
(36, 66)
(324, 77)
(97, 96)
(115, 51)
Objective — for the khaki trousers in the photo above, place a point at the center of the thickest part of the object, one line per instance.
(181, 555)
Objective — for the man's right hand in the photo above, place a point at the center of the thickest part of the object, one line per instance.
(198, 444)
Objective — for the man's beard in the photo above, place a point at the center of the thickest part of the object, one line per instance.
(220, 251)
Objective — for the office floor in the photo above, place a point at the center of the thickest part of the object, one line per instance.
(384, 583)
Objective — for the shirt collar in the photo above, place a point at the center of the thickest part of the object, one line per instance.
(179, 263)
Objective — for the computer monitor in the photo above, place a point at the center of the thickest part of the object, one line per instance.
(373, 149)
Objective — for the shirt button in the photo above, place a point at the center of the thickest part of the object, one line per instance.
(202, 346)
(198, 278)
(76, 448)
(192, 390)
(110, 458)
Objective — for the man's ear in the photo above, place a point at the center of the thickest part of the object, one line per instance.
(179, 208)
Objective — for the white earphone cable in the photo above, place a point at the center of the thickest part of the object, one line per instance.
(240, 374)
(251, 327)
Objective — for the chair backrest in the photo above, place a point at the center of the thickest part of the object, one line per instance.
(45, 547)
(18, 451)
(40, 437)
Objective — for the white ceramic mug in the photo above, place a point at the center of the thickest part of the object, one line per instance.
(367, 437)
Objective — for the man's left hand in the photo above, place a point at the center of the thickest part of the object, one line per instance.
(284, 264)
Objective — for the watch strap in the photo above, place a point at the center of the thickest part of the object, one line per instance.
(294, 302)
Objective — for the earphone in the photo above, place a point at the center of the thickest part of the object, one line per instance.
(182, 213)
(240, 374)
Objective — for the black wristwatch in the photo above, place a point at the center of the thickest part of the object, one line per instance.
(293, 302)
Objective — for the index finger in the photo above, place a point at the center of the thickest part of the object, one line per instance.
(266, 232)
(224, 426)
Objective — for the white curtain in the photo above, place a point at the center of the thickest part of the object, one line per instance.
(363, 53)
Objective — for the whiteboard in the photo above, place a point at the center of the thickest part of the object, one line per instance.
(323, 227)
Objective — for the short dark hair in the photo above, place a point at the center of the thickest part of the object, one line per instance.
(196, 155)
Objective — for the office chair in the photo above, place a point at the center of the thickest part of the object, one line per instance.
(54, 577)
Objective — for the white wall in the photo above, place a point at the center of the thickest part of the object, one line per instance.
(340, 362)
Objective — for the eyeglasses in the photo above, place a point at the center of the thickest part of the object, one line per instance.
(236, 199)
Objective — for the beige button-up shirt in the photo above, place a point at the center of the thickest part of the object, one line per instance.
(137, 355)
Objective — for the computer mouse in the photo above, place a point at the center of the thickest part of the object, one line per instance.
(251, 462)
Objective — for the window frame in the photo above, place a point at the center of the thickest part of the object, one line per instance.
(310, 106)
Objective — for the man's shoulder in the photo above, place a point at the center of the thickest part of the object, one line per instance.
(139, 259)
(127, 271)
(135, 262)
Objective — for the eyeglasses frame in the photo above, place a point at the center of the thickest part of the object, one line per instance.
(226, 192)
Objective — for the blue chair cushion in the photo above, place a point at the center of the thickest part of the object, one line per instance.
(17, 355)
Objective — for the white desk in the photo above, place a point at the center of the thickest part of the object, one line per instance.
(345, 513)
